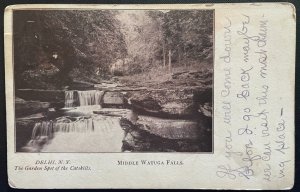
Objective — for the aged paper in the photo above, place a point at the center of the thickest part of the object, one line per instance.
(197, 96)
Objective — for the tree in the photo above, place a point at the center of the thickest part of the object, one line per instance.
(143, 36)
(69, 39)
(188, 34)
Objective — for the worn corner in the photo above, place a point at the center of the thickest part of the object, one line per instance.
(12, 184)
(9, 8)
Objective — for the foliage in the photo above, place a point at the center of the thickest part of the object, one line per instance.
(189, 34)
(69, 39)
(142, 31)
(54, 47)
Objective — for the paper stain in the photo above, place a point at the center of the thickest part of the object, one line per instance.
(209, 5)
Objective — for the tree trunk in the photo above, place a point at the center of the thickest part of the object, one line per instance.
(170, 64)
(164, 53)
(184, 56)
(179, 57)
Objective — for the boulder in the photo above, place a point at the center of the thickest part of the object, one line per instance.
(137, 139)
(36, 117)
(80, 85)
(206, 109)
(41, 95)
(113, 98)
(183, 108)
(106, 85)
(23, 107)
(169, 103)
(113, 112)
(201, 76)
(23, 129)
(57, 105)
(80, 110)
(169, 128)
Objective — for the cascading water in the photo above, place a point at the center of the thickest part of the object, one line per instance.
(79, 129)
(69, 98)
(66, 134)
(62, 124)
(42, 129)
(90, 97)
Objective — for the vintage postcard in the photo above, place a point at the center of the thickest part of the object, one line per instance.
(190, 96)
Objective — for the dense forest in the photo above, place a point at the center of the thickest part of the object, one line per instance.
(53, 48)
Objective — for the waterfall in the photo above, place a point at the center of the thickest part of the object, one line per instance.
(75, 134)
(42, 129)
(80, 125)
(69, 98)
(47, 128)
(83, 98)
(92, 97)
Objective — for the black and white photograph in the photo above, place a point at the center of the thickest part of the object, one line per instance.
(95, 81)
(150, 96)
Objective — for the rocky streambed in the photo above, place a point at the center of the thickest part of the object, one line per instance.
(113, 118)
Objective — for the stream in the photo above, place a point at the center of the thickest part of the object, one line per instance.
(114, 120)
(79, 129)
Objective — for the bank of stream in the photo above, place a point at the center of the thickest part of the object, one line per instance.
(113, 119)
